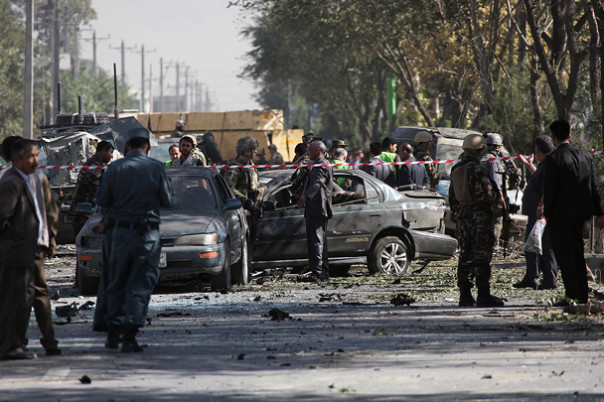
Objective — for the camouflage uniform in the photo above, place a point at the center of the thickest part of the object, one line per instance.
(243, 181)
(495, 173)
(276, 159)
(475, 221)
(85, 190)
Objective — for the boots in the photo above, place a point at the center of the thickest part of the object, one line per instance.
(466, 299)
(129, 344)
(486, 299)
(113, 337)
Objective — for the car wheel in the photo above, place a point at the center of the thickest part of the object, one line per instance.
(339, 269)
(87, 284)
(389, 255)
(241, 270)
(222, 281)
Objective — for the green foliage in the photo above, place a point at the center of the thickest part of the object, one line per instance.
(12, 40)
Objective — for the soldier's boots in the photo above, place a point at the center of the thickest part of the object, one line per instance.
(129, 343)
(466, 299)
(488, 300)
(113, 337)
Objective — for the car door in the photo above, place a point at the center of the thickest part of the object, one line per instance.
(234, 219)
(281, 233)
(354, 221)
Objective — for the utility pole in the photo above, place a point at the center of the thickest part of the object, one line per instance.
(54, 86)
(75, 57)
(142, 108)
(94, 40)
(177, 87)
(28, 102)
(186, 88)
(161, 84)
(123, 49)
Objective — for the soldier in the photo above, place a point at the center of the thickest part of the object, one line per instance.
(244, 182)
(88, 182)
(495, 171)
(276, 158)
(261, 157)
(472, 199)
(179, 131)
(189, 154)
(423, 140)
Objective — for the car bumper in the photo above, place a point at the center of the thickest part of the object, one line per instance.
(179, 260)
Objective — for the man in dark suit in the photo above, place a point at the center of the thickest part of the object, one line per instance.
(413, 173)
(570, 197)
(316, 198)
(384, 173)
(22, 235)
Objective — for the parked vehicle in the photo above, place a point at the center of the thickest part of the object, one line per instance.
(372, 223)
(204, 233)
(447, 145)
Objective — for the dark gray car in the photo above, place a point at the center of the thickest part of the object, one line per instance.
(372, 223)
(204, 233)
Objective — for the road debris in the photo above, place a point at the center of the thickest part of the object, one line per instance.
(402, 299)
(278, 315)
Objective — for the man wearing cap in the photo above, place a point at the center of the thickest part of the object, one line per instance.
(276, 158)
(308, 138)
(423, 140)
(495, 171)
(472, 199)
(189, 154)
(261, 157)
(131, 194)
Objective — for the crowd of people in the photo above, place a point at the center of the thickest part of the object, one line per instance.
(562, 190)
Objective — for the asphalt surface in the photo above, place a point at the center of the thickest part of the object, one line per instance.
(342, 340)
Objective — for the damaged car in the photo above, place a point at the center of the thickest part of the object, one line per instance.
(204, 233)
(372, 224)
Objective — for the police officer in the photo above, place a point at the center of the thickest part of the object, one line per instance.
(495, 171)
(132, 191)
(88, 182)
(244, 182)
(189, 154)
(472, 199)
(423, 140)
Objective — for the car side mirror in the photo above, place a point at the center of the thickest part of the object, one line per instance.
(84, 208)
(269, 205)
(231, 204)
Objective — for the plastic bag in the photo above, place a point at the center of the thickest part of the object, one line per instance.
(533, 241)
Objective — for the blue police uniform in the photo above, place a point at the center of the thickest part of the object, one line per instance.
(133, 189)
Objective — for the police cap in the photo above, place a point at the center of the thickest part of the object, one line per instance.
(473, 141)
(138, 132)
(339, 143)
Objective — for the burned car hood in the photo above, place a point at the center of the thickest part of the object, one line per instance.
(178, 223)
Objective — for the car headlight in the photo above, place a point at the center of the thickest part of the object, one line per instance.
(203, 239)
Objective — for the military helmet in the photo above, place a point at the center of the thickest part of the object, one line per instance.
(246, 143)
(191, 138)
(473, 141)
(273, 147)
(493, 139)
(261, 152)
(422, 136)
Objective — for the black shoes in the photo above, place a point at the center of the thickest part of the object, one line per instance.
(113, 337)
(19, 354)
(547, 287)
(129, 343)
(489, 301)
(525, 284)
(53, 352)
(466, 300)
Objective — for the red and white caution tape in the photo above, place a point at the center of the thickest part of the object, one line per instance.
(298, 165)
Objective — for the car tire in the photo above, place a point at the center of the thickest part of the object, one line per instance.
(241, 270)
(389, 255)
(222, 281)
(339, 269)
(88, 285)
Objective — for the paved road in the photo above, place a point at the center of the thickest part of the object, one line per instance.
(343, 340)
